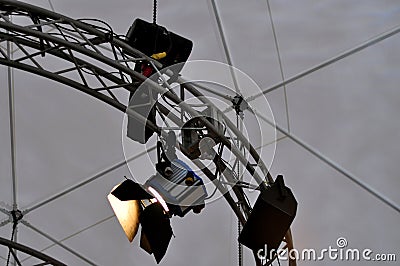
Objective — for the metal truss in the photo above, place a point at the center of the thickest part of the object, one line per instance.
(88, 56)
(13, 247)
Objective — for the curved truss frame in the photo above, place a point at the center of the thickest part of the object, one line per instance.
(47, 260)
(99, 63)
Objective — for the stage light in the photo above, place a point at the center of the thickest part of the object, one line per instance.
(151, 205)
(171, 50)
(132, 206)
(270, 218)
(181, 195)
(156, 41)
(194, 131)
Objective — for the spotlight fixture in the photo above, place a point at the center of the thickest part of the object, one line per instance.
(171, 50)
(183, 190)
(156, 41)
(132, 206)
(270, 218)
(174, 190)
(178, 184)
(194, 131)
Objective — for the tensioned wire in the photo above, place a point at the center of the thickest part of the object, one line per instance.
(280, 63)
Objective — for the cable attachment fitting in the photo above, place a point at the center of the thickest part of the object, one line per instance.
(239, 104)
(16, 216)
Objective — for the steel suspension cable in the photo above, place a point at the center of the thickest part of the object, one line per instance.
(370, 42)
(280, 63)
(225, 45)
(333, 164)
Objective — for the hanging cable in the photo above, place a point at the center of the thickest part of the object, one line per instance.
(239, 124)
(240, 247)
(155, 11)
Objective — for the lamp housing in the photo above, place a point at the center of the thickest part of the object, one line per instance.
(270, 218)
(142, 101)
(171, 50)
(183, 190)
(132, 206)
(151, 205)
(193, 131)
(152, 39)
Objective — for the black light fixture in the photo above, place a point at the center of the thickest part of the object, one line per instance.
(142, 102)
(156, 41)
(270, 218)
(171, 50)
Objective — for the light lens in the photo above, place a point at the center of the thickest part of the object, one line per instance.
(159, 198)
